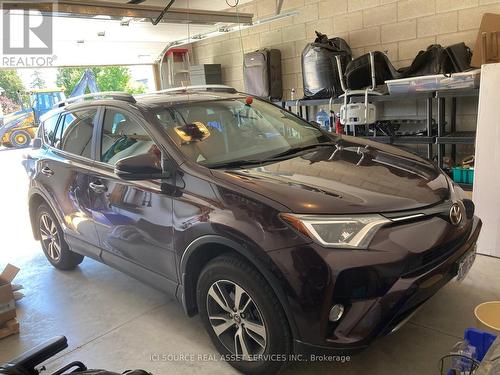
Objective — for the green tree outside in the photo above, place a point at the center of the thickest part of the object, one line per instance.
(110, 78)
(11, 83)
(37, 81)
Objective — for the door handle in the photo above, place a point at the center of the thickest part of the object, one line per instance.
(47, 171)
(98, 187)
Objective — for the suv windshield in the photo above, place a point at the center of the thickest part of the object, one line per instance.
(218, 132)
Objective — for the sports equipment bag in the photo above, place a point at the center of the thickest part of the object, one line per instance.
(262, 73)
(319, 66)
(358, 73)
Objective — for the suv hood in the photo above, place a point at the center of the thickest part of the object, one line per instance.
(350, 176)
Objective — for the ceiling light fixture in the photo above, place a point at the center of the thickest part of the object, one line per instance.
(102, 17)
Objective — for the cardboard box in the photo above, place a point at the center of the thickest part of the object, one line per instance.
(487, 48)
(7, 303)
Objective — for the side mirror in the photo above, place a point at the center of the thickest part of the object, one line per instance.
(140, 167)
(36, 143)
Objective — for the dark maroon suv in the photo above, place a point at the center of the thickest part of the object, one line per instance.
(287, 240)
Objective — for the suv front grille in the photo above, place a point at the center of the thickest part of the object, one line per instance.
(420, 263)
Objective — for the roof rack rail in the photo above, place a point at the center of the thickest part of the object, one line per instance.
(117, 95)
(212, 88)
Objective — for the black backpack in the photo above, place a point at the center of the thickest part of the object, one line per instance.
(319, 66)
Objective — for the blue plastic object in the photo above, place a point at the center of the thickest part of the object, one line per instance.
(480, 340)
(323, 119)
(462, 175)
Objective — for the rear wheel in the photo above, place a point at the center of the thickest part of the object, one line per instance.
(243, 317)
(53, 244)
(20, 138)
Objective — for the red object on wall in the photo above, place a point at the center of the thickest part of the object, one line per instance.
(339, 129)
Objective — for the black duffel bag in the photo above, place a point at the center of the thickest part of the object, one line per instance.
(439, 60)
(319, 66)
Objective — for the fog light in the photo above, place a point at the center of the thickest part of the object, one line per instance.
(336, 313)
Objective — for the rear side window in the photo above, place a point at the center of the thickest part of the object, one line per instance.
(49, 129)
(65, 119)
(76, 132)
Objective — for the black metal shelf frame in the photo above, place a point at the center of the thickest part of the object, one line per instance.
(301, 108)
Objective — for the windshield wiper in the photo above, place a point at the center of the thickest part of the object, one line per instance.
(235, 164)
(280, 156)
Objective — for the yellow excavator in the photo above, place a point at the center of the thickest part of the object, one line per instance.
(18, 129)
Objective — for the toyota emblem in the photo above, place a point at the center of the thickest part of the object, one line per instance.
(455, 214)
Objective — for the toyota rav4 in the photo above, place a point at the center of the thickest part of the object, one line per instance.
(285, 239)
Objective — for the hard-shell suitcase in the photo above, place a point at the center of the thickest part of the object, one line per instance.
(319, 67)
(262, 73)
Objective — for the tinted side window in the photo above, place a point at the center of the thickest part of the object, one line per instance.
(76, 132)
(49, 129)
(63, 122)
(122, 136)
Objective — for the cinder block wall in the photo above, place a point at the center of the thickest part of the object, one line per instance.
(400, 27)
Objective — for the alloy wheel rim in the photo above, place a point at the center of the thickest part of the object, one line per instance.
(50, 237)
(20, 139)
(236, 320)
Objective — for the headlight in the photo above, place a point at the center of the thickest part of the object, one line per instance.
(341, 231)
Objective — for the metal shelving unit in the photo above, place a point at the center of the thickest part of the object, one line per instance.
(453, 138)
(438, 138)
(457, 138)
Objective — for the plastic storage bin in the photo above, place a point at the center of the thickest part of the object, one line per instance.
(480, 340)
(401, 86)
(205, 74)
(465, 80)
(462, 175)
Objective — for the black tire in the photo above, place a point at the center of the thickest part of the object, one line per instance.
(52, 240)
(263, 308)
(20, 138)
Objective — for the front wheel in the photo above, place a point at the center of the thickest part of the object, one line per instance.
(20, 138)
(54, 246)
(243, 317)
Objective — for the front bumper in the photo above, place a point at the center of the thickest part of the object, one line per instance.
(367, 319)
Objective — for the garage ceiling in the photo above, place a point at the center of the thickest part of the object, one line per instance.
(94, 32)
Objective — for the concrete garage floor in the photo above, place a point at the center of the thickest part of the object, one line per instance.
(113, 321)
